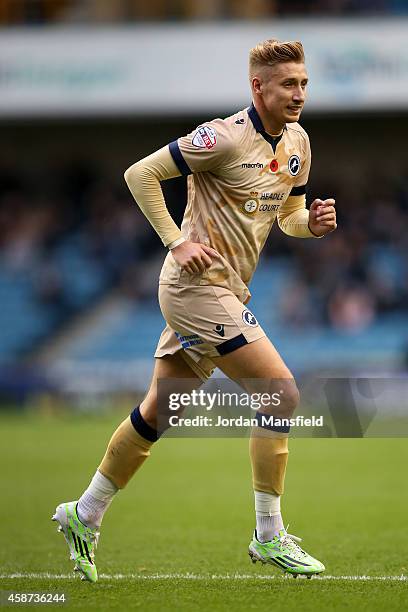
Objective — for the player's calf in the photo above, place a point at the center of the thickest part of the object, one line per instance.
(269, 455)
(128, 449)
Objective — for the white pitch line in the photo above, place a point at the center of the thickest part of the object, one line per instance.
(188, 576)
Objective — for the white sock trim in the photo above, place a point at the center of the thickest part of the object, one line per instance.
(94, 502)
(267, 504)
(101, 487)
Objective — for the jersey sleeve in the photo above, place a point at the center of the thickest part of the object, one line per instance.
(300, 183)
(293, 216)
(207, 148)
(143, 179)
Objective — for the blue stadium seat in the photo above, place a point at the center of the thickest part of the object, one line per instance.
(24, 322)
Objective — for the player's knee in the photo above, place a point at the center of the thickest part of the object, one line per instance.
(148, 410)
(156, 412)
(284, 400)
(290, 398)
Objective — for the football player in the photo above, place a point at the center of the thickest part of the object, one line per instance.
(244, 172)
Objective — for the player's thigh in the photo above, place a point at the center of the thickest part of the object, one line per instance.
(259, 368)
(258, 359)
(169, 368)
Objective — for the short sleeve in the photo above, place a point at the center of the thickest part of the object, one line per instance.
(208, 148)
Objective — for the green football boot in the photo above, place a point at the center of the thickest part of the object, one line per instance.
(81, 540)
(283, 552)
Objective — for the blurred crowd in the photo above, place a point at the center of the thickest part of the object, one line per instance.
(73, 219)
(345, 281)
(357, 274)
(120, 11)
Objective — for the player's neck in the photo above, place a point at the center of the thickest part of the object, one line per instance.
(271, 126)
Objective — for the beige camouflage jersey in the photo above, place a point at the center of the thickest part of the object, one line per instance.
(240, 180)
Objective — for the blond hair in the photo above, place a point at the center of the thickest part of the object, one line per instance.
(272, 52)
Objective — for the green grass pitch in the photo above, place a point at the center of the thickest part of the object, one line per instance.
(178, 534)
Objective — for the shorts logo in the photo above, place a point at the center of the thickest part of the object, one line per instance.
(187, 341)
(294, 165)
(205, 137)
(248, 318)
(220, 330)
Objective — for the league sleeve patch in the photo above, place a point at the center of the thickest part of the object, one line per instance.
(205, 137)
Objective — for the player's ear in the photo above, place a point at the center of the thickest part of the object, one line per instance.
(256, 85)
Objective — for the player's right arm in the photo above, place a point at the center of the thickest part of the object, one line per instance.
(143, 179)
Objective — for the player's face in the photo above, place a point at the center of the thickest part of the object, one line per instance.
(283, 91)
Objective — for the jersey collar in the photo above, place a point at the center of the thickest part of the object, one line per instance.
(258, 125)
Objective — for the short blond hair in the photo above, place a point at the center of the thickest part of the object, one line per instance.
(272, 52)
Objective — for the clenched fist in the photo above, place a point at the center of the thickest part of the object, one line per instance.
(322, 217)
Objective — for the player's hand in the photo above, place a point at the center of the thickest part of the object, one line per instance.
(194, 257)
(322, 217)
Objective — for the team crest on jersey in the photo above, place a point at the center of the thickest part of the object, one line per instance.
(205, 137)
(294, 165)
(248, 318)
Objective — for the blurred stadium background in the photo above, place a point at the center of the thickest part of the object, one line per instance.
(87, 87)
